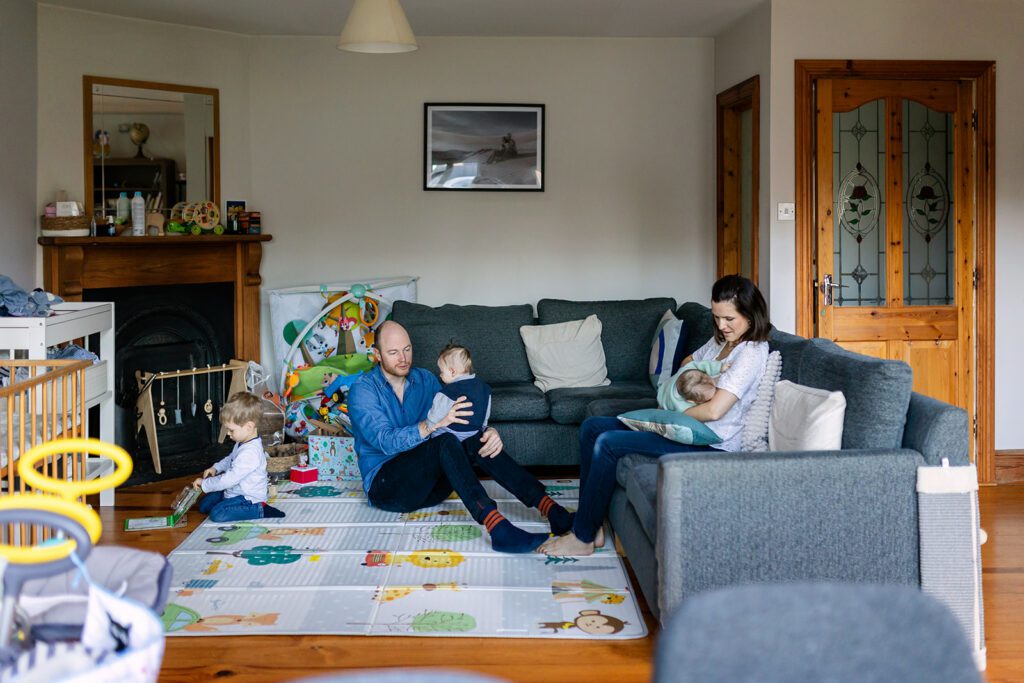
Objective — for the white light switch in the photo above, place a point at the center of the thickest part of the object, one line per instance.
(787, 211)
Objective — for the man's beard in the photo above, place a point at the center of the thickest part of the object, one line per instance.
(390, 367)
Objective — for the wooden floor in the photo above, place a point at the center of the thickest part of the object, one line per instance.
(284, 658)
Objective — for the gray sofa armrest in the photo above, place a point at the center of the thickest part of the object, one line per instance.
(937, 430)
(729, 518)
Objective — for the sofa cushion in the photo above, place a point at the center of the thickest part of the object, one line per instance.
(806, 418)
(672, 425)
(700, 326)
(639, 476)
(569, 406)
(668, 348)
(566, 354)
(517, 401)
(491, 333)
(628, 329)
(612, 407)
(791, 347)
(877, 392)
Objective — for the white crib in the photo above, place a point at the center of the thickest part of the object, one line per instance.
(29, 338)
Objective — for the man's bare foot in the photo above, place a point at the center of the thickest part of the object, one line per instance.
(599, 538)
(566, 546)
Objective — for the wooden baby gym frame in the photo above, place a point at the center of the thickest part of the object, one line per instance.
(146, 415)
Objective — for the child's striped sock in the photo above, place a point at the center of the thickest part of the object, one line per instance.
(508, 538)
(559, 518)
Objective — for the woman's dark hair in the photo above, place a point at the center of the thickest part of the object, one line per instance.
(746, 297)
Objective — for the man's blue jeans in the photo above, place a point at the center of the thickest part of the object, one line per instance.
(603, 440)
(233, 509)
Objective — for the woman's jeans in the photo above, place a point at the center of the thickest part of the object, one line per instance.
(603, 440)
(425, 476)
(231, 509)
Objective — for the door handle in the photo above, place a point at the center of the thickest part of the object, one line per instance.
(826, 288)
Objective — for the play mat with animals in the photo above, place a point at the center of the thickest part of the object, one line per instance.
(334, 565)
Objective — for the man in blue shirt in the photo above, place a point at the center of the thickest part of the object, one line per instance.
(405, 470)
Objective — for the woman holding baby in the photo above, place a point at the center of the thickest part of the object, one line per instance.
(739, 349)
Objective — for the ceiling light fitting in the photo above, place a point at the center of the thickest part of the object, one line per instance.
(377, 26)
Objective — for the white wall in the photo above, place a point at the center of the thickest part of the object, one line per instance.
(915, 29)
(628, 209)
(741, 51)
(18, 206)
(74, 43)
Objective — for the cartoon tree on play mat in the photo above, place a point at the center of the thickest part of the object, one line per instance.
(429, 621)
(262, 555)
(436, 621)
(456, 532)
(318, 492)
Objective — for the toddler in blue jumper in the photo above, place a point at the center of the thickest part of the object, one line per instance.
(457, 377)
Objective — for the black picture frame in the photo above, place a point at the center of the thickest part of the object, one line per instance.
(471, 147)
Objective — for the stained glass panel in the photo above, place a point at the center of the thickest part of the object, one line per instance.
(928, 215)
(858, 195)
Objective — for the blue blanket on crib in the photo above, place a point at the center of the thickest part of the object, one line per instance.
(16, 302)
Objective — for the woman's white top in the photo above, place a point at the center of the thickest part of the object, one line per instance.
(748, 361)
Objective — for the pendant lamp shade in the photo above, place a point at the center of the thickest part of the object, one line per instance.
(377, 26)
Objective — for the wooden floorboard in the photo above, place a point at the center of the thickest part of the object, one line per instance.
(283, 658)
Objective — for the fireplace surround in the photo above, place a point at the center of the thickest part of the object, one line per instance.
(179, 301)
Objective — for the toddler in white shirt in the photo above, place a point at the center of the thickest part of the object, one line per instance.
(236, 487)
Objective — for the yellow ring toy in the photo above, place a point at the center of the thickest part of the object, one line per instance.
(74, 489)
(39, 554)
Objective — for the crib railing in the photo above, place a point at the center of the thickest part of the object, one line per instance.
(45, 400)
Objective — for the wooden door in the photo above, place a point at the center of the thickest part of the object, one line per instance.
(895, 185)
(738, 173)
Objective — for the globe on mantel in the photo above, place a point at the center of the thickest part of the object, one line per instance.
(139, 133)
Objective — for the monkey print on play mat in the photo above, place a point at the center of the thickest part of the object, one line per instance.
(334, 565)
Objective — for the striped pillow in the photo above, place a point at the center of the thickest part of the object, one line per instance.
(667, 350)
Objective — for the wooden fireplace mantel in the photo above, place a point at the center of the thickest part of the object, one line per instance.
(74, 264)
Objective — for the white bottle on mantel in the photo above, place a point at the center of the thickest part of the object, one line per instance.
(138, 215)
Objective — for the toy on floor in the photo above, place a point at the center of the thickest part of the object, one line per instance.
(182, 503)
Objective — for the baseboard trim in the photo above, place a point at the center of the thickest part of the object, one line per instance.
(1010, 467)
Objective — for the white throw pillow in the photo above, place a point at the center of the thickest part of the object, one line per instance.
(806, 419)
(566, 354)
(754, 436)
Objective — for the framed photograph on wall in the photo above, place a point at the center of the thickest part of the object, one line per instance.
(483, 147)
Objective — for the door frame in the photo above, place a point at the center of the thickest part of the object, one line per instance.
(731, 102)
(983, 75)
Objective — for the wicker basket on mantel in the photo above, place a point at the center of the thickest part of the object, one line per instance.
(64, 226)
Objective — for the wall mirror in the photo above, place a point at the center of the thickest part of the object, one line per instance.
(159, 139)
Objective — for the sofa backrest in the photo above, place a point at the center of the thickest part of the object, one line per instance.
(877, 392)
(627, 329)
(491, 333)
(700, 326)
(791, 347)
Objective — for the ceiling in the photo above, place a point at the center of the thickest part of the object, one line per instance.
(589, 18)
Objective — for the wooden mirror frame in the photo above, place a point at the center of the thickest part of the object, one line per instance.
(87, 127)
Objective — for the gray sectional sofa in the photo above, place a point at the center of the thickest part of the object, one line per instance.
(692, 522)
